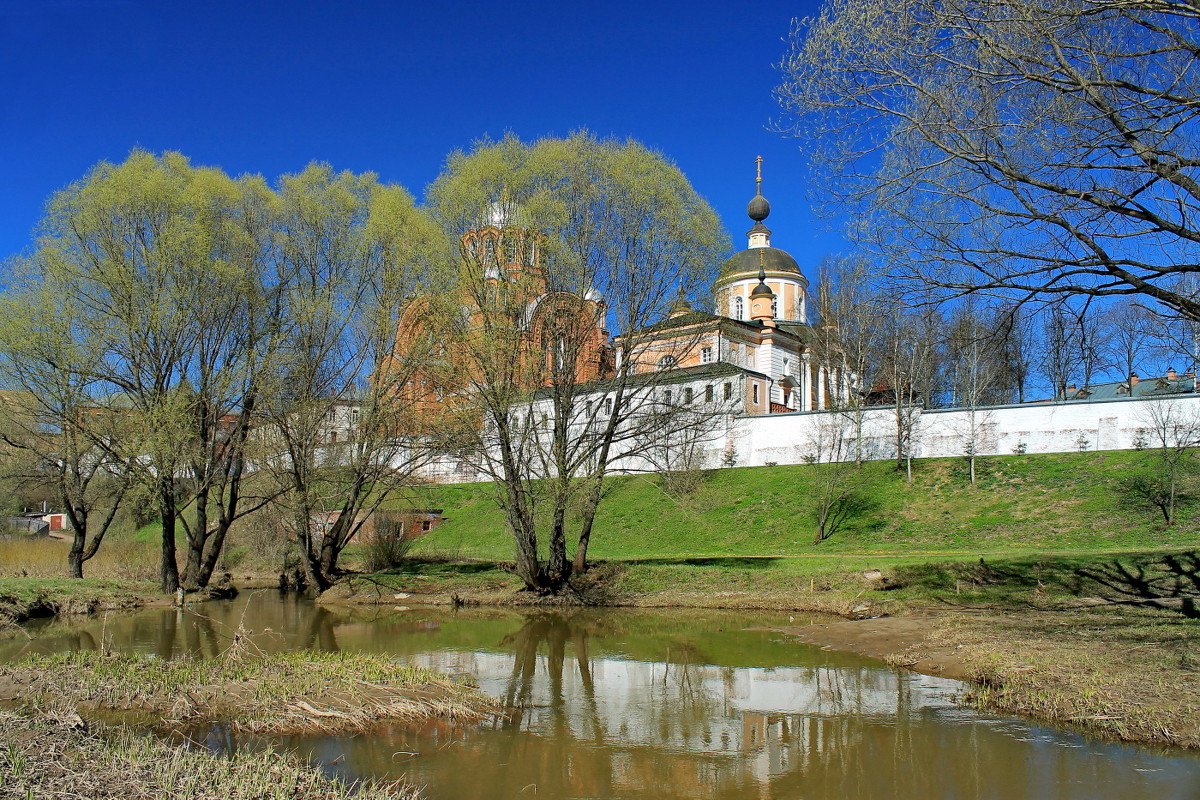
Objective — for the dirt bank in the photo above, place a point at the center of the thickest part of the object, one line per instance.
(901, 641)
(1127, 673)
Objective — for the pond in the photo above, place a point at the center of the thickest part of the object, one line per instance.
(639, 704)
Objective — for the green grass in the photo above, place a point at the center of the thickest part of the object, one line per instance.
(1020, 504)
(21, 598)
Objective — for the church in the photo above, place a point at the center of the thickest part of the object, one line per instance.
(758, 331)
(751, 353)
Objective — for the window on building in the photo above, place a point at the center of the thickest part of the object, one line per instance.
(774, 307)
(608, 406)
(708, 393)
(705, 355)
(667, 397)
(667, 362)
(787, 365)
(739, 308)
(426, 525)
(749, 358)
(687, 395)
(729, 391)
(755, 392)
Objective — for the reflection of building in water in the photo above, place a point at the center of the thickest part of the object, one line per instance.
(783, 718)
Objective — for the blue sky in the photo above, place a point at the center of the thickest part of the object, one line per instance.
(392, 87)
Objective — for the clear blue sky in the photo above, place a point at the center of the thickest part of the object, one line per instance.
(393, 87)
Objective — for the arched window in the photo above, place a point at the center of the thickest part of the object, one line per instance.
(739, 308)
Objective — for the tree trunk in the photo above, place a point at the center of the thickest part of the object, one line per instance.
(209, 563)
(580, 564)
(312, 569)
(168, 568)
(196, 535)
(558, 569)
(75, 557)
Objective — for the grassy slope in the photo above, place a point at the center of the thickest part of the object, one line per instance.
(1029, 503)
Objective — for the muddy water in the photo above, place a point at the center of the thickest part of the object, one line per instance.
(678, 704)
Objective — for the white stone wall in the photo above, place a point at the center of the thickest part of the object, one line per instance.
(998, 430)
(754, 441)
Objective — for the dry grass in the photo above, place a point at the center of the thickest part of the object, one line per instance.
(293, 692)
(1129, 673)
(55, 755)
(117, 559)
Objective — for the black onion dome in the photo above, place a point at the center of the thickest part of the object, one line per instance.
(758, 209)
(769, 258)
(762, 290)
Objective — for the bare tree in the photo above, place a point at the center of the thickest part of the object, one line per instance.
(975, 371)
(909, 369)
(851, 317)
(1129, 331)
(835, 478)
(1048, 149)
(1173, 427)
(1057, 361)
(1016, 337)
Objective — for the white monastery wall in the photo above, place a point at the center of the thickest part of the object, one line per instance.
(999, 430)
(793, 438)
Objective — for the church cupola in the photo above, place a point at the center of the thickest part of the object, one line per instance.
(680, 306)
(762, 301)
(739, 277)
(758, 210)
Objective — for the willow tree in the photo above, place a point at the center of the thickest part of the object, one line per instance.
(1020, 147)
(566, 242)
(165, 271)
(49, 432)
(339, 436)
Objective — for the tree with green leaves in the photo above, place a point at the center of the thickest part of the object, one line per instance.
(48, 427)
(605, 236)
(340, 438)
(167, 274)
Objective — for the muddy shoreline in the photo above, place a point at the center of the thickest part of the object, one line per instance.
(1051, 663)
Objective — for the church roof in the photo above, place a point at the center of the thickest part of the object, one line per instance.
(748, 261)
(711, 371)
(726, 323)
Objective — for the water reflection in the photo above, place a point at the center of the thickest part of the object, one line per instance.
(663, 705)
(604, 705)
